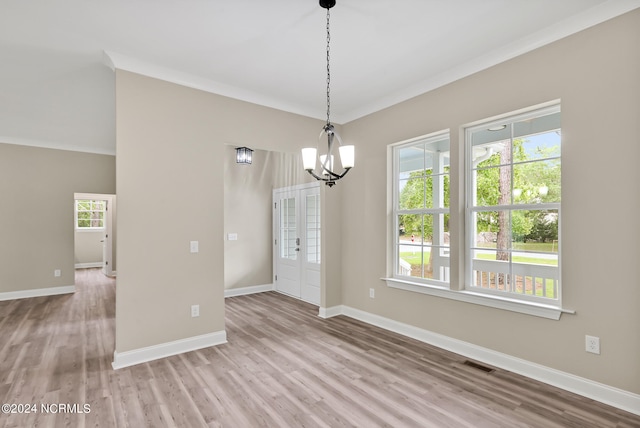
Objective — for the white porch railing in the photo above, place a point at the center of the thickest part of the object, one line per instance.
(523, 278)
(440, 268)
(404, 267)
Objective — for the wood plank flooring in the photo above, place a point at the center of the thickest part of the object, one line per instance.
(283, 367)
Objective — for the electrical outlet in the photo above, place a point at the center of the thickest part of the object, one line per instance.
(193, 246)
(195, 311)
(592, 344)
(372, 293)
(57, 272)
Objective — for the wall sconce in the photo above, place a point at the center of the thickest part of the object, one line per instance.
(243, 155)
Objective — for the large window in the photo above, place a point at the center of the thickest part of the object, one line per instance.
(89, 214)
(421, 209)
(508, 214)
(513, 206)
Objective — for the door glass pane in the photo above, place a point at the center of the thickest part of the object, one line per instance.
(288, 232)
(313, 228)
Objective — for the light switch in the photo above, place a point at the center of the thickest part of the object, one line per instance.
(193, 245)
(232, 236)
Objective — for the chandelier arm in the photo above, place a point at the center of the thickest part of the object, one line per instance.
(338, 177)
(333, 174)
(317, 177)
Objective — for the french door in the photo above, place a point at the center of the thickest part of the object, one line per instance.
(297, 242)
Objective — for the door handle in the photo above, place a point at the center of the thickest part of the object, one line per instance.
(297, 249)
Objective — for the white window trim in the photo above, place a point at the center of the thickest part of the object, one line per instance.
(528, 113)
(499, 302)
(394, 203)
(75, 215)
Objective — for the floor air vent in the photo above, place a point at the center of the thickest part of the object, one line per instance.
(478, 366)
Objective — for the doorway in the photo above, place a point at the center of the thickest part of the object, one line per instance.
(95, 236)
(297, 242)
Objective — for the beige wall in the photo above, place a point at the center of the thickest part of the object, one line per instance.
(36, 212)
(596, 74)
(171, 189)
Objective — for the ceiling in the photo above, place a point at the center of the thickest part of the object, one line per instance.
(57, 87)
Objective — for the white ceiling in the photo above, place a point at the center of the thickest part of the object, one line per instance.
(56, 89)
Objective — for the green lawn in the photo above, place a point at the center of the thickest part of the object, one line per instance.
(547, 247)
(414, 258)
(522, 259)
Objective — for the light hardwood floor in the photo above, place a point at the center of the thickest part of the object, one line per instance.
(283, 367)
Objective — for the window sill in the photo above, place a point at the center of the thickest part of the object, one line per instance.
(529, 308)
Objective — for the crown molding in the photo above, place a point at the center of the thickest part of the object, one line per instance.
(117, 61)
(43, 144)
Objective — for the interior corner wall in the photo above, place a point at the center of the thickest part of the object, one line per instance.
(171, 143)
(36, 214)
(595, 73)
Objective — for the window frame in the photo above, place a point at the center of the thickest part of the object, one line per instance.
(456, 290)
(470, 209)
(397, 211)
(77, 227)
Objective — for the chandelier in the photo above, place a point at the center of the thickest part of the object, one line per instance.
(310, 156)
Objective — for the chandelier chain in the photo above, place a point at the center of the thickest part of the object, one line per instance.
(310, 155)
(328, 71)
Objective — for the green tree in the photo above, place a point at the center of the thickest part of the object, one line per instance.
(536, 178)
(417, 193)
(496, 185)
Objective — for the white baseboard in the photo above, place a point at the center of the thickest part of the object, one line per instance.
(232, 292)
(330, 312)
(88, 265)
(612, 396)
(155, 352)
(37, 292)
